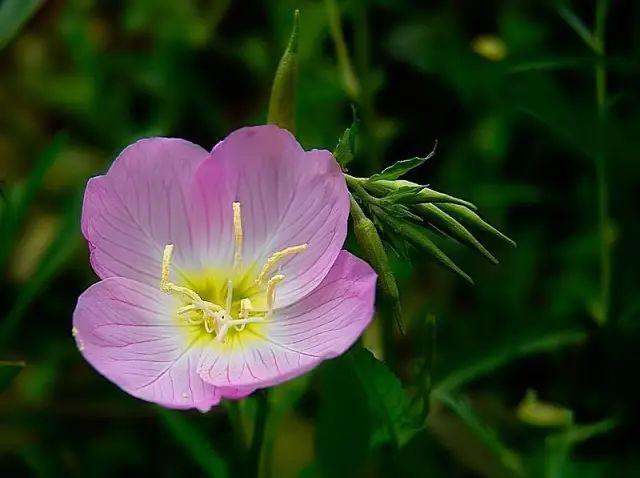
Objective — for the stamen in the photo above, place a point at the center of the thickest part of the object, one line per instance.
(271, 292)
(278, 256)
(237, 235)
(166, 265)
(245, 308)
(229, 301)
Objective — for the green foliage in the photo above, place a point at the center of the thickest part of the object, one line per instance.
(13, 15)
(529, 144)
(346, 149)
(344, 426)
(393, 418)
(9, 371)
(400, 168)
(195, 443)
(487, 436)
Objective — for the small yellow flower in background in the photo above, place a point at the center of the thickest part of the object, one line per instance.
(490, 47)
(535, 412)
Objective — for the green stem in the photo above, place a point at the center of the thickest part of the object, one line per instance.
(257, 439)
(600, 163)
(342, 53)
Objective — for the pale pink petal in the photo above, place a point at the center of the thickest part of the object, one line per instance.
(128, 331)
(143, 203)
(288, 197)
(322, 325)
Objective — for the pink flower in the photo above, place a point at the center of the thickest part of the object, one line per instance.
(221, 272)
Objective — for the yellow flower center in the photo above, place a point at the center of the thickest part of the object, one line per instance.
(219, 319)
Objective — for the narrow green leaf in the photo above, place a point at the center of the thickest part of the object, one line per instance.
(64, 244)
(8, 371)
(470, 218)
(195, 443)
(349, 78)
(452, 228)
(559, 445)
(282, 103)
(13, 15)
(578, 26)
(424, 378)
(400, 168)
(479, 366)
(346, 148)
(20, 197)
(489, 437)
(387, 399)
(418, 236)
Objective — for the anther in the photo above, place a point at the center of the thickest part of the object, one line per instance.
(237, 235)
(278, 256)
(271, 291)
(166, 266)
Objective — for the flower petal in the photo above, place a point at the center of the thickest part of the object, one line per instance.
(126, 330)
(322, 325)
(142, 204)
(288, 197)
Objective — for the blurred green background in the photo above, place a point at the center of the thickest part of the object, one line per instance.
(526, 131)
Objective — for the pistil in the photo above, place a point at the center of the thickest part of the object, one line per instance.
(218, 319)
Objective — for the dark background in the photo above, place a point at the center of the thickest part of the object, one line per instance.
(519, 136)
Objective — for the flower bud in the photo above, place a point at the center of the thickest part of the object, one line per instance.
(371, 245)
(282, 103)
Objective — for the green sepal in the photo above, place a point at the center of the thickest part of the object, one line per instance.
(471, 218)
(282, 103)
(408, 192)
(418, 236)
(446, 224)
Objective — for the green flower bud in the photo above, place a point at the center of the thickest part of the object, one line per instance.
(282, 104)
(371, 245)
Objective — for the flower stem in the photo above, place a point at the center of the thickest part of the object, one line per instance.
(600, 163)
(257, 439)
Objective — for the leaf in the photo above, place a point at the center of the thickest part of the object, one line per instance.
(343, 426)
(346, 149)
(195, 443)
(387, 399)
(282, 103)
(400, 168)
(578, 26)
(13, 15)
(489, 437)
(20, 197)
(480, 366)
(65, 243)
(452, 228)
(559, 446)
(9, 371)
